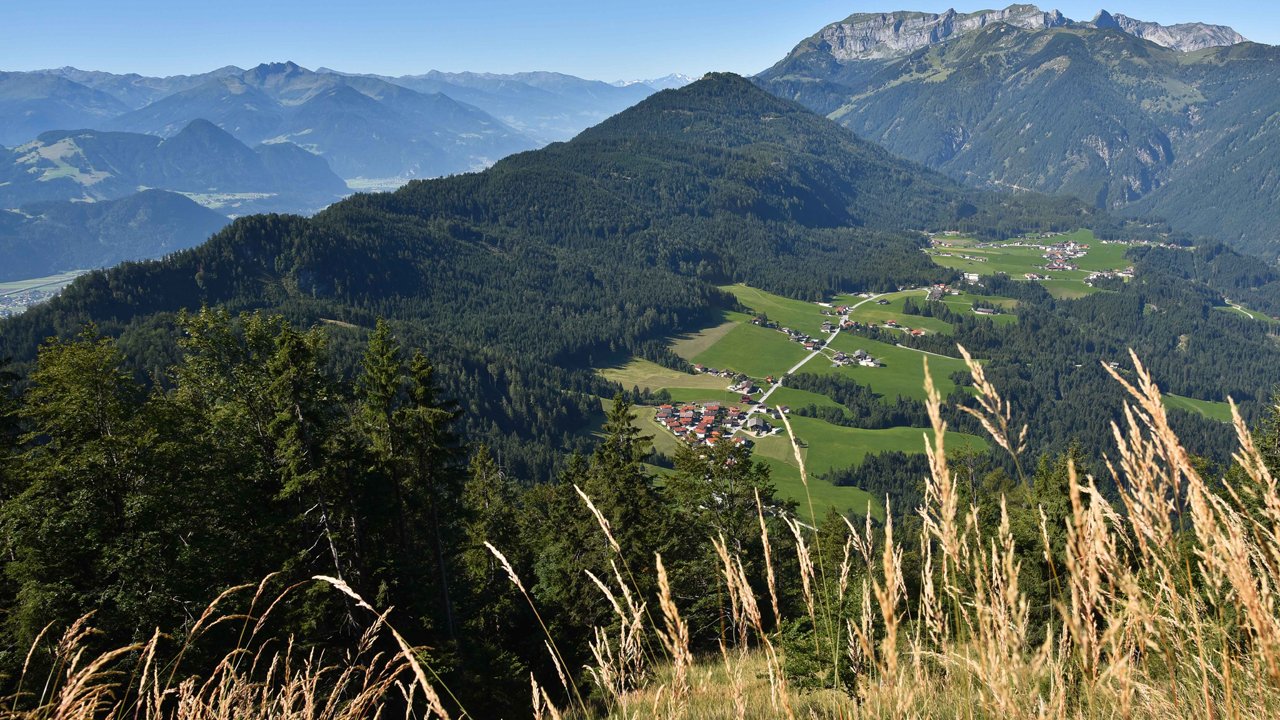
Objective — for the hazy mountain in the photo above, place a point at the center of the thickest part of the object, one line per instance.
(547, 107)
(47, 238)
(1098, 113)
(134, 90)
(201, 158)
(450, 122)
(666, 82)
(31, 103)
(364, 126)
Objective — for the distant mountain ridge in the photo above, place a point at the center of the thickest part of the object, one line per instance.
(136, 90)
(91, 165)
(1184, 37)
(31, 103)
(363, 126)
(1094, 110)
(52, 237)
(547, 107)
(878, 36)
(447, 123)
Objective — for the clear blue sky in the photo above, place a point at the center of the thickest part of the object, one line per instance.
(596, 39)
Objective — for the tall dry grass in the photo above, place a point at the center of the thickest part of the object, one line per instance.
(1164, 606)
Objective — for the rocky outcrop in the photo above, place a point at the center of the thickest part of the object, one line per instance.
(875, 36)
(887, 35)
(1185, 37)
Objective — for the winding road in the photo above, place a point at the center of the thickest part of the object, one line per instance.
(818, 351)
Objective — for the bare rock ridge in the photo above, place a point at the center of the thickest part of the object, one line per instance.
(1185, 37)
(871, 36)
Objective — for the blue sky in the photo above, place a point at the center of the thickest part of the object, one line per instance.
(597, 39)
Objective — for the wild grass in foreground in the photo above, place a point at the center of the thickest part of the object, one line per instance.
(1163, 605)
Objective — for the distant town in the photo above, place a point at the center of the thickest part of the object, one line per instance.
(17, 303)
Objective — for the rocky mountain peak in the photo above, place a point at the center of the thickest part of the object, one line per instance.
(1184, 37)
(868, 36)
(872, 36)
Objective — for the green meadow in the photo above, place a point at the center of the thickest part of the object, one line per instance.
(1219, 411)
(903, 371)
(875, 313)
(753, 350)
(796, 314)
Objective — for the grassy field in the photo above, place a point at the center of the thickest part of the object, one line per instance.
(690, 345)
(1219, 411)
(753, 350)
(776, 452)
(963, 303)
(786, 312)
(1015, 261)
(1240, 309)
(1018, 261)
(792, 397)
(833, 447)
(652, 376)
(903, 371)
(872, 312)
(1068, 289)
(52, 282)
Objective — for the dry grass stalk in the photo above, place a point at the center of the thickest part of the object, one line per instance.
(675, 638)
(768, 560)
(600, 519)
(996, 414)
(620, 665)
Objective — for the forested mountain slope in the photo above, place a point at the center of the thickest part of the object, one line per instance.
(46, 238)
(558, 258)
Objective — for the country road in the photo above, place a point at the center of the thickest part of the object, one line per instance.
(777, 384)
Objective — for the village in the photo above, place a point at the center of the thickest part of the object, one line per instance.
(709, 423)
(1124, 274)
(16, 303)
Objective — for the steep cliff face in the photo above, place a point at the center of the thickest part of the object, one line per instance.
(880, 36)
(1185, 37)
(1119, 113)
(886, 35)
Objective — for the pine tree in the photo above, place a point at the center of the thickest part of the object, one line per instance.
(490, 502)
(495, 617)
(432, 484)
(713, 493)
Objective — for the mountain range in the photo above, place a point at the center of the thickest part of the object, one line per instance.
(366, 126)
(275, 138)
(90, 165)
(1172, 121)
